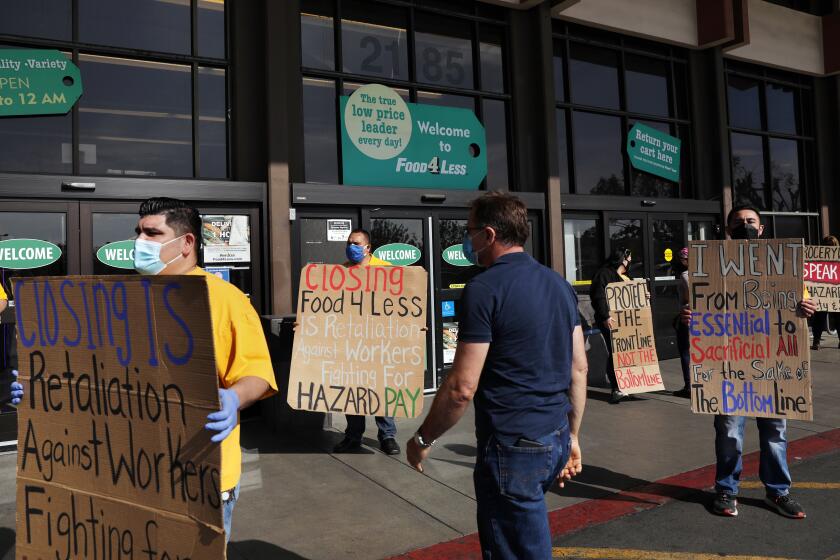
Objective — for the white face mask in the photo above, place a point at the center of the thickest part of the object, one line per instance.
(147, 256)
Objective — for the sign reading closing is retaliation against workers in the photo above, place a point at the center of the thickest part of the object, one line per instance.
(113, 458)
(654, 152)
(749, 350)
(360, 343)
(634, 351)
(822, 276)
(37, 82)
(388, 142)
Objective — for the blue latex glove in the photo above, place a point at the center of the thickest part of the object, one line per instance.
(17, 389)
(225, 420)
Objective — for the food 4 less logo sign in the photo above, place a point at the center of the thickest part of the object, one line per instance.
(388, 142)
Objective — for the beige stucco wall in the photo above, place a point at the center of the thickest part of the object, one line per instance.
(783, 38)
(673, 21)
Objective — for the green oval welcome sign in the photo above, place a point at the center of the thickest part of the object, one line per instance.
(119, 254)
(454, 255)
(20, 254)
(398, 254)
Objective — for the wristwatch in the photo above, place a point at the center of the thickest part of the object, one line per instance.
(418, 439)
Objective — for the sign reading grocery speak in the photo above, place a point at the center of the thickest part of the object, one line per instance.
(388, 142)
(654, 152)
(113, 458)
(360, 343)
(634, 351)
(822, 276)
(749, 350)
(37, 82)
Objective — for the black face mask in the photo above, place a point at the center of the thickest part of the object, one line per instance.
(744, 231)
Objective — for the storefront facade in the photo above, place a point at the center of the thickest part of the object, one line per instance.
(235, 107)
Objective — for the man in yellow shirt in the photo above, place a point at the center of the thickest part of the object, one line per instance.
(359, 253)
(4, 299)
(168, 239)
(16, 389)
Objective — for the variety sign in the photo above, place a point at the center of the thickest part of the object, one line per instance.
(654, 152)
(822, 276)
(388, 142)
(113, 458)
(633, 350)
(36, 82)
(749, 350)
(360, 344)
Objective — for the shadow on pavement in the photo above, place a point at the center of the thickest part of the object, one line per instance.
(461, 449)
(257, 550)
(7, 543)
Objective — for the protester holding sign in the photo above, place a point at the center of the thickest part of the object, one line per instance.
(359, 253)
(613, 270)
(744, 223)
(521, 355)
(821, 318)
(168, 240)
(681, 269)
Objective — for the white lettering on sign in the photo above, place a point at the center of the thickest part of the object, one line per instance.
(119, 254)
(437, 129)
(26, 253)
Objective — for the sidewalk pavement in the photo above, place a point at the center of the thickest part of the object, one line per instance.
(299, 500)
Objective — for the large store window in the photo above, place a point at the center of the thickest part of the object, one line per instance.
(155, 89)
(772, 142)
(604, 84)
(450, 53)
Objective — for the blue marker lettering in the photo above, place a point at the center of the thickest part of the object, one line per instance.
(177, 360)
(27, 342)
(67, 341)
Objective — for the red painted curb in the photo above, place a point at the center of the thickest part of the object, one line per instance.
(648, 496)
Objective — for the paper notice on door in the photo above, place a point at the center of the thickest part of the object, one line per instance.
(338, 230)
(227, 239)
(450, 342)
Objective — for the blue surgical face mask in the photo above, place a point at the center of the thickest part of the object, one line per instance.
(469, 252)
(147, 256)
(355, 253)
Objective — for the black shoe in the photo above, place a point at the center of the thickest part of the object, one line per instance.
(618, 396)
(786, 506)
(684, 393)
(389, 446)
(725, 504)
(815, 345)
(347, 445)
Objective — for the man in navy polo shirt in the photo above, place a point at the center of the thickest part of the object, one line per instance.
(521, 355)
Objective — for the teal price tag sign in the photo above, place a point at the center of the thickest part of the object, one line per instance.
(37, 82)
(388, 142)
(654, 152)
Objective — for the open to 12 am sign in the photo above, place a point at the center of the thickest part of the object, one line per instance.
(37, 82)
(388, 142)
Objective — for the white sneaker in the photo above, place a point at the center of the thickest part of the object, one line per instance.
(617, 396)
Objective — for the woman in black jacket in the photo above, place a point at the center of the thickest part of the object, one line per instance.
(613, 270)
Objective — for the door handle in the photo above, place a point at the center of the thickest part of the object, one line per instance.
(78, 186)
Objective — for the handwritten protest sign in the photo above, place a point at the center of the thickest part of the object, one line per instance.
(822, 276)
(749, 350)
(360, 344)
(634, 353)
(113, 458)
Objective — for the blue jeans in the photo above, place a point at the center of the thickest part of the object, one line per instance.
(227, 510)
(510, 486)
(729, 443)
(387, 428)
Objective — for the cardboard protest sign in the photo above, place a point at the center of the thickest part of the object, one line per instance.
(634, 352)
(822, 276)
(360, 344)
(749, 350)
(113, 458)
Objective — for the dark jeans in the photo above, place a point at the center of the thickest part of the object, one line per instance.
(610, 368)
(510, 486)
(820, 323)
(684, 347)
(356, 427)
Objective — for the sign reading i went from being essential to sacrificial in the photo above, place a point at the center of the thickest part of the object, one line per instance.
(634, 351)
(360, 342)
(749, 349)
(654, 152)
(388, 142)
(37, 82)
(113, 457)
(822, 276)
